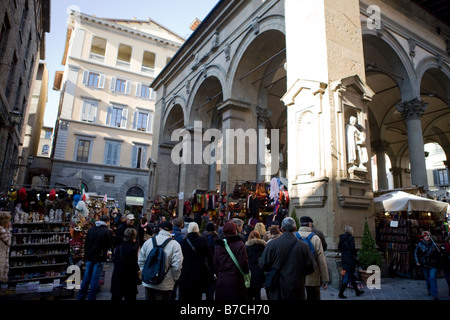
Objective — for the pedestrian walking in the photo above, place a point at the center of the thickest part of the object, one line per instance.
(446, 256)
(273, 233)
(293, 261)
(427, 256)
(173, 263)
(261, 228)
(197, 270)
(255, 247)
(144, 231)
(349, 261)
(211, 236)
(99, 240)
(178, 225)
(230, 284)
(125, 277)
(128, 223)
(319, 278)
(5, 244)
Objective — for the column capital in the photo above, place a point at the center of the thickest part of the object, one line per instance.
(396, 170)
(263, 114)
(412, 109)
(380, 145)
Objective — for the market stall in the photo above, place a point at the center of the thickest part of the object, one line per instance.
(401, 218)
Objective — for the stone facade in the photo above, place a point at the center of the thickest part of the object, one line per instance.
(104, 126)
(24, 24)
(306, 69)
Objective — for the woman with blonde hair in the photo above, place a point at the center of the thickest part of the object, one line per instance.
(261, 228)
(5, 245)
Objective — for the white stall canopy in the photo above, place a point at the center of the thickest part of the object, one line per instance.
(403, 201)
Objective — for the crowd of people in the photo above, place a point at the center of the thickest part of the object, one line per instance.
(200, 265)
(288, 263)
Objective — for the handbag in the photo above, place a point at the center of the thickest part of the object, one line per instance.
(211, 274)
(247, 276)
(272, 278)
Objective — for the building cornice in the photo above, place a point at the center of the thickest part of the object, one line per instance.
(119, 27)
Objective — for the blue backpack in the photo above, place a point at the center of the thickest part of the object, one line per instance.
(307, 240)
(154, 271)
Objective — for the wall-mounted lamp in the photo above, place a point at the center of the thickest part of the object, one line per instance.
(15, 116)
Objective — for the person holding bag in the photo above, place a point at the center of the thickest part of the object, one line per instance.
(197, 270)
(125, 277)
(230, 283)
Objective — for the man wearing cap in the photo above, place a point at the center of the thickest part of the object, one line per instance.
(129, 223)
(97, 243)
(174, 261)
(320, 275)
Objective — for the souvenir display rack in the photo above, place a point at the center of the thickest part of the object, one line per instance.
(40, 251)
(397, 235)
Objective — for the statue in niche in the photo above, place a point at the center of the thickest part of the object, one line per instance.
(356, 150)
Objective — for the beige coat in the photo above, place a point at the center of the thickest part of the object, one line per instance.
(320, 275)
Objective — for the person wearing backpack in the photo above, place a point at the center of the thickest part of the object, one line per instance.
(320, 276)
(173, 260)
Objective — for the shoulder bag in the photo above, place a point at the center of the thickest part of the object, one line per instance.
(211, 274)
(272, 278)
(247, 276)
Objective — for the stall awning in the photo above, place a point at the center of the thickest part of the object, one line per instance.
(402, 201)
(134, 201)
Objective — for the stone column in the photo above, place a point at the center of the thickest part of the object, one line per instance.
(236, 115)
(397, 175)
(263, 116)
(380, 147)
(412, 111)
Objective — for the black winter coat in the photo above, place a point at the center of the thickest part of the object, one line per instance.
(348, 252)
(255, 248)
(194, 275)
(124, 279)
(230, 284)
(427, 254)
(97, 243)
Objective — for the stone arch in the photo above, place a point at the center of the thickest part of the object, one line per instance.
(206, 94)
(174, 118)
(274, 25)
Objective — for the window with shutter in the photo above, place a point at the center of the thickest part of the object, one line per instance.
(139, 157)
(89, 111)
(112, 153)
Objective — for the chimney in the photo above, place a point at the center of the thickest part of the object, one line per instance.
(194, 24)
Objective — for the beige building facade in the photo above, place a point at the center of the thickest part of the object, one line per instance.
(23, 28)
(334, 83)
(103, 134)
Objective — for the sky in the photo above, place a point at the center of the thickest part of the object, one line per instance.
(176, 15)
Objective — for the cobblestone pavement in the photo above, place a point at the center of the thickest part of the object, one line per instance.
(391, 289)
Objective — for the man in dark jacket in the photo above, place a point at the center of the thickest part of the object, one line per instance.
(300, 262)
(98, 241)
(427, 255)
